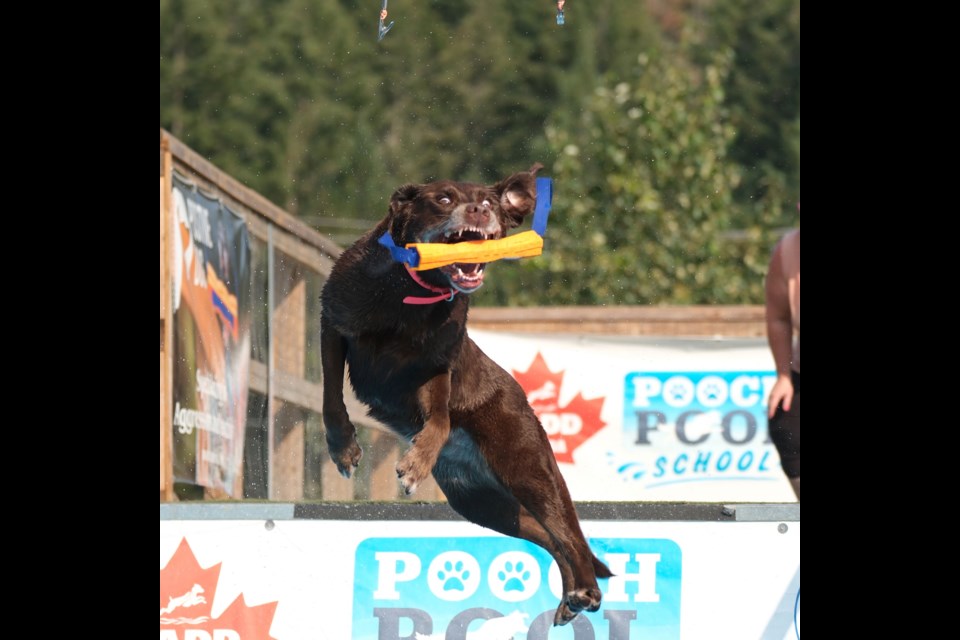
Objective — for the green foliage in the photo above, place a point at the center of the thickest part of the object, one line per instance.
(763, 91)
(643, 195)
(253, 87)
(675, 162)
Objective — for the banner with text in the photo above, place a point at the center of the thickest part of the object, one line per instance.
(211, 332)
(409, 580)
(653, 419)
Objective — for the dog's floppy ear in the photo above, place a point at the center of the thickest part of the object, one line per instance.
(403, 196)
(399, 202)
(518, 194)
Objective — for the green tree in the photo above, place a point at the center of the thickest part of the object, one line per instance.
(259, 88)
(763, 93)
(669, 162)
(643, 199)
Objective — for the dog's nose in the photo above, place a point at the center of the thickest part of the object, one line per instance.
(478, 214)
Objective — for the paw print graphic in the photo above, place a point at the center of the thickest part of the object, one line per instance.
(679, 392)
(513, 576)
(452, 576)
(713, 391)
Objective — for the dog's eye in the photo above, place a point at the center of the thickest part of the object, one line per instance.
(486, 202)
(444, 200)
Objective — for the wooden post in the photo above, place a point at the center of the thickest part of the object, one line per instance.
(288, 353)
(333, 485)
(166, 322)
(288, 453)
(384, 455)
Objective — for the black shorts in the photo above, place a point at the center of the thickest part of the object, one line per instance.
(784, 429)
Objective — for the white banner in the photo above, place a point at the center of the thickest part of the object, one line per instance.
(651, 419)
(414, 580)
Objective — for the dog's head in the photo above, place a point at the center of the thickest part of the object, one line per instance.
(450, 212)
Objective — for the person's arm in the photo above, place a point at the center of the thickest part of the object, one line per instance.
(779, 331)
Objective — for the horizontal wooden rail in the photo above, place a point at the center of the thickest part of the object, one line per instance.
(732, 321)
(194, 163)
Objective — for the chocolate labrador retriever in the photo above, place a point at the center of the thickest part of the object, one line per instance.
(403, 335)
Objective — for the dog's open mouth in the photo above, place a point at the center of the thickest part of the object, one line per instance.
(465, 277)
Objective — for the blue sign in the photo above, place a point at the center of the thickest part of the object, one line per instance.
(695, 427)
(491, 588)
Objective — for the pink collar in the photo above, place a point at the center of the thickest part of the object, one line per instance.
(445, 294)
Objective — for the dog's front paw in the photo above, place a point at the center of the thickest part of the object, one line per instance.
(575, 602)
(345, 455)
(412, 470)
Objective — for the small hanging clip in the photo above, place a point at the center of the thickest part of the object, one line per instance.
(383, 28)
(560, 4)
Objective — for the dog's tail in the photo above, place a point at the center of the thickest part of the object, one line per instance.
(602, 570)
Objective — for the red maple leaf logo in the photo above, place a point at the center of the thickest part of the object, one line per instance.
(568, 426)
(186, 598)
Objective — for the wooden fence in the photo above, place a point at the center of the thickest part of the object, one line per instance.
(713, 321)
(284, 451)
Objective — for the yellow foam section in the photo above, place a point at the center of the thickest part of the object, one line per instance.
(436, 254)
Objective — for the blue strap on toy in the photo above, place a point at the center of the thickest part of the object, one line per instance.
(400, 254)
(544, 202)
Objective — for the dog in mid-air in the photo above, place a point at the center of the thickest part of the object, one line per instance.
(403, 338)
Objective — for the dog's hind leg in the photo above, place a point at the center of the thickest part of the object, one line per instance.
(477, 496)
(531, 529)
(579, 568)
(575, 599)
(557, 515)
(340, 433)
(416, 463)
(499, 511)
(473, 490)
(534, 479)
